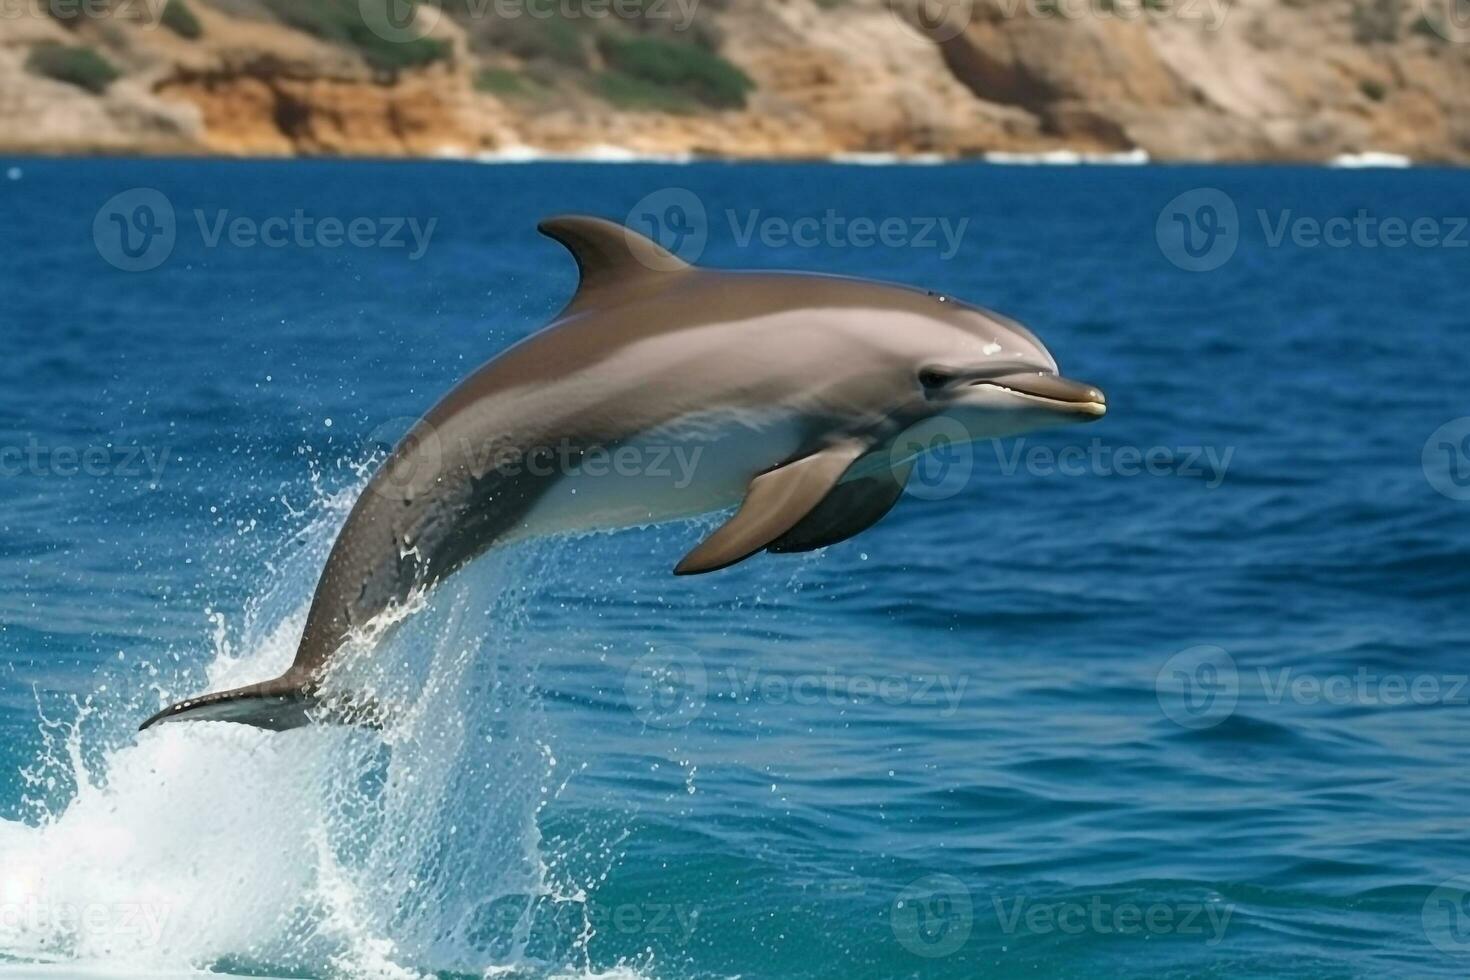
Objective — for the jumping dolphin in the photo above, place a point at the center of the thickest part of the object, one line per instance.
(790, 392)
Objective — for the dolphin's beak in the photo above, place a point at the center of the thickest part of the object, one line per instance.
(1062, 394)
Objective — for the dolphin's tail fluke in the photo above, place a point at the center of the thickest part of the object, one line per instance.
(276, 706)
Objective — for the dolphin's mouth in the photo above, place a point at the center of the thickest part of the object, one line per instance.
(1056, 392)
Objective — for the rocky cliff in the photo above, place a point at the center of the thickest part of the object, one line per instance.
(1179, 79)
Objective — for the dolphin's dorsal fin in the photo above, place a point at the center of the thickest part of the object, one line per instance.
(608, 254)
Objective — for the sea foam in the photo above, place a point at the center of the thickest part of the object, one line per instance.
(325, 850)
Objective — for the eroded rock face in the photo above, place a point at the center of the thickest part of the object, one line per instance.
(265, 109)
(1182, 79)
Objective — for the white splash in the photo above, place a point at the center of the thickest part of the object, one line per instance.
(329, 851)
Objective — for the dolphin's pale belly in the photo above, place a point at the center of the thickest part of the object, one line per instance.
(692, 466)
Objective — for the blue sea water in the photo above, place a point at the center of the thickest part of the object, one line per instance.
(1178, 694)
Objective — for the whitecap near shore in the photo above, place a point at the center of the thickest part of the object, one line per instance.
(1370, 159)
(608, 153)
(594, 153)
(1070, 158)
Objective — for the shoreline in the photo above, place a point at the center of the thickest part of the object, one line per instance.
(603, 154)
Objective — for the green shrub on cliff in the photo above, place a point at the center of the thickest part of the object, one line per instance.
(346, 22)
(679, 68)
(80, 66)
(510, 84)
(627, 92)
(178, 18)
(545, 39)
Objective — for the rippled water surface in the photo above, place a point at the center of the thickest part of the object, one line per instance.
(1178, 694)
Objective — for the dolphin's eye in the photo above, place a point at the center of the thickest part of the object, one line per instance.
(932, 378)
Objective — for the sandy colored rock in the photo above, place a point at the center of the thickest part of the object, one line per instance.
(1202, 80)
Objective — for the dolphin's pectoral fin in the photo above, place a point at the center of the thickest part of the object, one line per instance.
(851, 507)
(774, 503)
